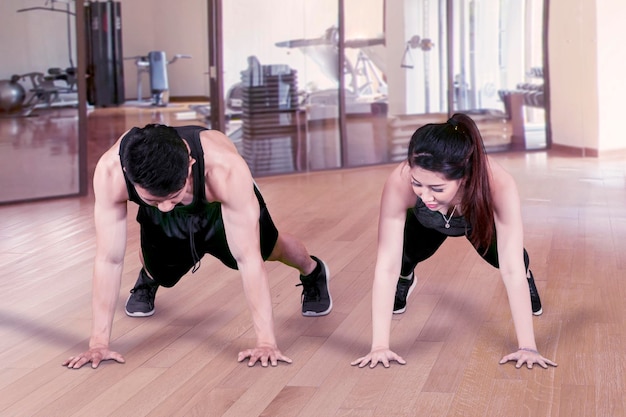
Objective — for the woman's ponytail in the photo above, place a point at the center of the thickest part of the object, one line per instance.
(477, 203)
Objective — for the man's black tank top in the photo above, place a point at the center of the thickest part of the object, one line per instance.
(183, 219)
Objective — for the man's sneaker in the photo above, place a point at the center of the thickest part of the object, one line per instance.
(140, 303)
(404, 288)
(534, 295)
(316, 299)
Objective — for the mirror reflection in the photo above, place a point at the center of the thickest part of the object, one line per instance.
(308, 91)
(404, 64)
(38, 100)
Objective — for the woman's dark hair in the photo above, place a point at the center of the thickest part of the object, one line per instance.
(156, 159)
(455, 149)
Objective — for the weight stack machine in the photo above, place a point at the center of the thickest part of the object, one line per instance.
(272, 122)
(105, 62)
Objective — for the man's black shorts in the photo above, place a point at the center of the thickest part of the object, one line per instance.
(171, 248)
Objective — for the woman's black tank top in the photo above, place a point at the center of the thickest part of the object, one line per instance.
(434, 220)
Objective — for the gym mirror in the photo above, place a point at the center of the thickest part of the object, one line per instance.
(405, 64)
(39, 111)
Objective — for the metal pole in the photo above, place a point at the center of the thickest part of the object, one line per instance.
(216, 65)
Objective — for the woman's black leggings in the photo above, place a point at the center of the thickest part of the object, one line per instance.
(420, 243)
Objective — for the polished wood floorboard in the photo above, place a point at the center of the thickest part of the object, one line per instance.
(182, 360)
(49, 136)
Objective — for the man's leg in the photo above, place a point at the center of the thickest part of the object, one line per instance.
(165, 260)
(140, 302)
(282, 247)
(292, 252)
(314, 274)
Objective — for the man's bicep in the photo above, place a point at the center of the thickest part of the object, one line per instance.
(110, 224)
(241, 223)
(110, 209)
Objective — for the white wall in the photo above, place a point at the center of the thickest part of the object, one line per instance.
(396, 38)
(611, 74)
(587, 59)
(573, 73)
(253, 27)
(587, 67)
(406, 85)
(32, 41)
(37, 40)
(176, 27)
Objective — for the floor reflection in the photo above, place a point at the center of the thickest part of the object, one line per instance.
(39, 155)
(301, 142)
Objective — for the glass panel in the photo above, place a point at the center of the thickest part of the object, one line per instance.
(280, 74)
(534, 94)
(416, 69)
(365, 83)
(498, 77)
(396, 76)
(38, 101)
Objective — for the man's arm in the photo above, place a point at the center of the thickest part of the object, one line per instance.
(110, 221)
(110, 214)
(232, 185)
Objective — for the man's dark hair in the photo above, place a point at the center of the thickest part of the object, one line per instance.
(156, 158)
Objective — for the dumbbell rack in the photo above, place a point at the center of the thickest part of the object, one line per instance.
(525, 94)
(271, 119)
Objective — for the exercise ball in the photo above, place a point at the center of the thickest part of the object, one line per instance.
(12, 95)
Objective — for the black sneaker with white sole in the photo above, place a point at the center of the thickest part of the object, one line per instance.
(404, 288)
(316, 299)
(140, 303)
(534, 295)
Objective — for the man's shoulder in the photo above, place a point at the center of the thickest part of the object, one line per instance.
(111, 158)
(114, 150)
(213, 135)
(224, 168)
(109, 175)
(217, 147)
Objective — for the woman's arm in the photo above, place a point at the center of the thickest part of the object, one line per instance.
(397, 197)
(509, 231)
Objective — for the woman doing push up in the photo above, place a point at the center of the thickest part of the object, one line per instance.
(449, 187)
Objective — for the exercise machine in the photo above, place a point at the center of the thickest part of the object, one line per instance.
(155, 64)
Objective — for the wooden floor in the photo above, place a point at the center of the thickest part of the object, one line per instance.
(49, 136)
(182, 360)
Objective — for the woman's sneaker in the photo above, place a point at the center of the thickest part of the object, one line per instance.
(534, 295)
(316, 299)
(140, 303)
(404, 288)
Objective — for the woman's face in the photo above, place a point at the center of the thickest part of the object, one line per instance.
(437, 192)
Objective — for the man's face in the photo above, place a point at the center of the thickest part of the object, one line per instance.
(166, 203)
(170, 201)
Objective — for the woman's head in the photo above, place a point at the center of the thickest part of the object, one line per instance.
(156, 159)
(445, 148)
(455, 152)
(434, 189)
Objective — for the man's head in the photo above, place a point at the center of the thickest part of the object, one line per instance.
(156, 159)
